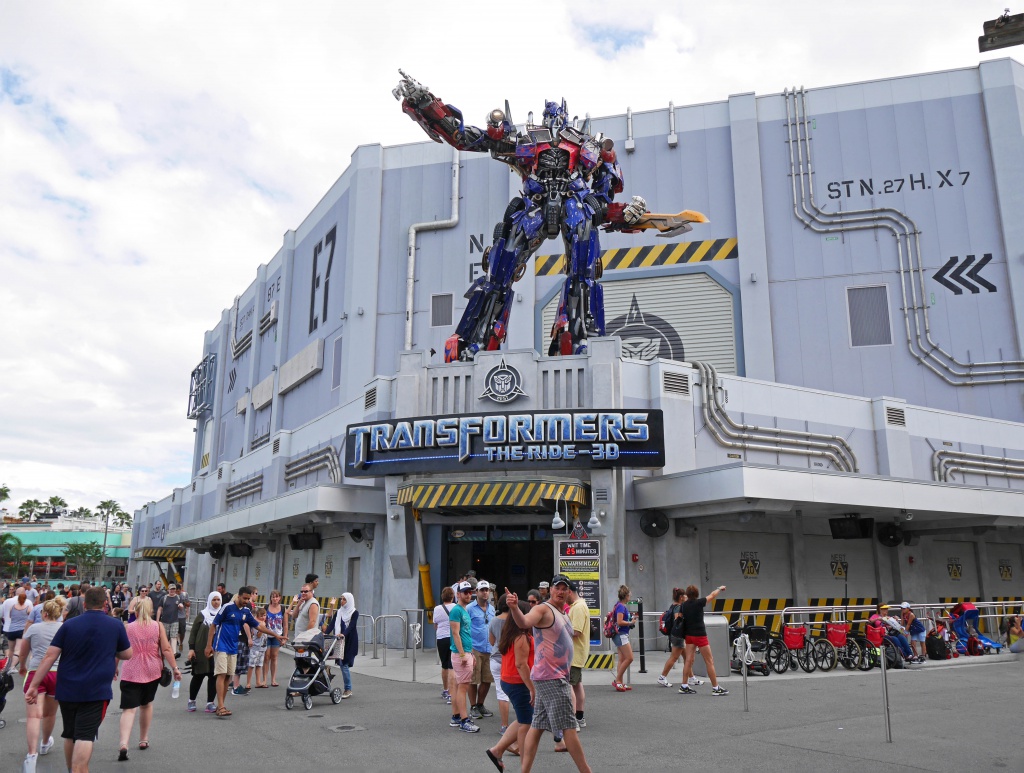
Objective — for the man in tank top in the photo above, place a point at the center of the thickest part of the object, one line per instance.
(553, 647)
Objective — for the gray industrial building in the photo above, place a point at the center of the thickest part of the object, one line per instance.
(843, 337)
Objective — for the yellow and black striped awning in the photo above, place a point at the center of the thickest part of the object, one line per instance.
(161, 554)
(489, 494)
(670, 254)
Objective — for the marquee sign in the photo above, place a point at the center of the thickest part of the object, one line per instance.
(540, 440)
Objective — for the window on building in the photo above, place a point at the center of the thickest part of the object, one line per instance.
(441, 310)
(869, 316)
(336, 372)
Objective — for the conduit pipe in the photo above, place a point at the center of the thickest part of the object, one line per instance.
(902, 228)
(432, 225)
(772, 439)
(982, 463)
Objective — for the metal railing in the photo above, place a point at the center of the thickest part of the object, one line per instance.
(384, 632)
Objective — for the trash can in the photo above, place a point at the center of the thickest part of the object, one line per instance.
(718, 637)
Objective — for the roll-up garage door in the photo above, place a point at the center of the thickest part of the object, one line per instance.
(686, 316)
(953, 569)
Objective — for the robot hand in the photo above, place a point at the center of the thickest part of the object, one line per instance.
(634, 210)
(410, 88)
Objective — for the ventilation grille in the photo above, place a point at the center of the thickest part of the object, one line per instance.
(220, 473)
(895, 417)
(193, 487)
(600, 496)
(370, 401)
(174, 494)
(440, 310)
(277, 445)
(392, 499)
(869, 316)
(676, 383)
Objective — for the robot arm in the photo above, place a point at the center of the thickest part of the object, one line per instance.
(444, 123)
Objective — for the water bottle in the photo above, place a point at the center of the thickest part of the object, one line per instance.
(175, 688)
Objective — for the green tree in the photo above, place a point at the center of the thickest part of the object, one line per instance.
(123, 519)
(29, 509)
(10, 549)
(5, 492)
(55, 503)
(82, 512)
(86, 554)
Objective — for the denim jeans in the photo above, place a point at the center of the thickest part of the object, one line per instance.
(346, 676)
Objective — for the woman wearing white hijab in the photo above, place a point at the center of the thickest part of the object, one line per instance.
(202, 666)
(345, 623)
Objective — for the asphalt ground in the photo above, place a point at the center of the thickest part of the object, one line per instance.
(957, 716)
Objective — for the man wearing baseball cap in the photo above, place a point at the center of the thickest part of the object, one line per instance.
(481, 612)
(462, 657)
(545, 590)
(552, 706)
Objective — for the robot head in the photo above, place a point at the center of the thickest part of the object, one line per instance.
(555, 115)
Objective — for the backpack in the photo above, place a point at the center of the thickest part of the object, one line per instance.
(611, 629)
(936, 647)
(667, 620)
(74, 608)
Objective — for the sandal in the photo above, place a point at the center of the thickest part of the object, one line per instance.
(274, 684)
(223, 713)
(143, 745)
(496, 760)
(619, 686)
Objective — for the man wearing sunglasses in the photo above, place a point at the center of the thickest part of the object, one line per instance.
(462, 657)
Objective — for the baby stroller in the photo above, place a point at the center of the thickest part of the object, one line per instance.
(756, 658)
(311, 677)
(6, 686)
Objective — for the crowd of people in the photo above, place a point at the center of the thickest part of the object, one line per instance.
(71, 643)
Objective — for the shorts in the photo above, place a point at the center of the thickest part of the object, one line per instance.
(677, 642)
(135, 694)
(519, 696)
(272, 642)
(918, 636)
(620, 639)
(496, 676)
(181, 627)
(46, 687)
(552, 708)
(82, 720)
(13, 635)
(256, 657)
(482, 668)
(242, 663)
(444, 653)
(463, 671)
(223, 663)
(171, 629)
(699, 641)
(575, 675)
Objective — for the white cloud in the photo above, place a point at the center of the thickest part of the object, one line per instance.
(152, 156)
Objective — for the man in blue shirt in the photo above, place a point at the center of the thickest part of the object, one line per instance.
(481, 612)
(88, 647)
(223, 638)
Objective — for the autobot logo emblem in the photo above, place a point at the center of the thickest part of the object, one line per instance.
(503, 384)
(645, 336)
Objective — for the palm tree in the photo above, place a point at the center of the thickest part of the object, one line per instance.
(82, 512)
(5, 492)
(55, 504)
(107, 510)
(9, 547)
(123, 519)
(29, 509)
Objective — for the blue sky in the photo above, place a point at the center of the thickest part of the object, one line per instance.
(149, 163)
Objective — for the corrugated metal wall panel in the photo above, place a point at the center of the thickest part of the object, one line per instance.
(655, 315)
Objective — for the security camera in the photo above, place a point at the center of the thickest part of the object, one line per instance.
(907, 515)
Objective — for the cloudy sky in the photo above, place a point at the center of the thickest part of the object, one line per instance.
(152, 156)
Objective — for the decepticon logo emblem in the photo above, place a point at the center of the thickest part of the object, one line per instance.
(503, 384)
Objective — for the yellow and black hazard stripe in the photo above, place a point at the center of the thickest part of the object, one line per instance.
(734, 609)
(833, 601)
(161, 554)
(670, 254)
(606, 662)
(505, 493)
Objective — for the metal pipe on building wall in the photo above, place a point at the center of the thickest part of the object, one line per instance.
(432, 225)
(902, 228)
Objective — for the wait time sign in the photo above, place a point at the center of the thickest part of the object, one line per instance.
(580, 561)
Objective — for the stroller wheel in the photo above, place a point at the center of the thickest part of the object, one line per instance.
(307, 702)
(3, 724)
(336, 695)
(289, 702)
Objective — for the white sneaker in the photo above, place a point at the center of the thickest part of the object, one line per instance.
(45, 748)
(695, 681)
(29, 766)
(664, 682)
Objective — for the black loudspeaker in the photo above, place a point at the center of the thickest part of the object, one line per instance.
(890, 535)
(305, 541)
(240, 550)
(654, 523)
(217, 551)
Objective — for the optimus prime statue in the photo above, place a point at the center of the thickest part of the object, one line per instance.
(569, 180)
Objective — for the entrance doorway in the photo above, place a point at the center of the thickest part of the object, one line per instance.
(518, 557)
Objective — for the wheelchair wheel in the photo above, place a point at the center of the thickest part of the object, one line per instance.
(805, 658)
(849, 656)
(778, 657)
(825, 656)
(867, 655)
(893, 658)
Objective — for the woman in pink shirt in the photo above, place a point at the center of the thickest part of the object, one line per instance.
(140, 676)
